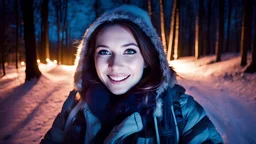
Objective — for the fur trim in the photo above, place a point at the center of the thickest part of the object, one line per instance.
(141, 19)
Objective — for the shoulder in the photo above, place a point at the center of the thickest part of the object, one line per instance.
(192, 111)
(198, 127)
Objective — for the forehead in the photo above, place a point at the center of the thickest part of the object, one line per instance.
(115, 33)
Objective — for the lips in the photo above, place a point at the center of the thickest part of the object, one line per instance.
(118, 78)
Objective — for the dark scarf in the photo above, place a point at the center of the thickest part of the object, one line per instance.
(112, 109)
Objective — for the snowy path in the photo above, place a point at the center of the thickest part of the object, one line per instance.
(233, 116)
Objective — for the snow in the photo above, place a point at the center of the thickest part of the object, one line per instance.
(27, 110)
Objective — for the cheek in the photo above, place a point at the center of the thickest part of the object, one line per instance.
(100, 65)
(137, 64)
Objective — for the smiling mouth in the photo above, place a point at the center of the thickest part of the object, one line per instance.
(118, 79)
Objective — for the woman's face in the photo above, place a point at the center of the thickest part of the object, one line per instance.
(118, 60)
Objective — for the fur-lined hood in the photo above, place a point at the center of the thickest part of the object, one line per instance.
(142, 20)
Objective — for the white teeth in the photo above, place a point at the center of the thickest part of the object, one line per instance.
(118, 78)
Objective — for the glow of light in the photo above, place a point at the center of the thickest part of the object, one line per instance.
(47, 60)
(22, 63)
(181, 66)
(55, 61)
(175, 56)
(38, 60)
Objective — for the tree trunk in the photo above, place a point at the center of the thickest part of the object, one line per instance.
(252, 67)
(207, 48)
(97, 8)
(246, 31)
(201, 28)
(149, 8)
(229, 19)
(197, 50)
(172, 32)
(45, 8)
(64, 33)
(32, 70)
(156, 16)
(2, 37)
(57, 8)
(219, 45)
(162, 25)
(177, 26)
(17, 33)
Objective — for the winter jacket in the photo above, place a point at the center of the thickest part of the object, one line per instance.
(83, 125)
(79, 120)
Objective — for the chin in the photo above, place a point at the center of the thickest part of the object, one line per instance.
(118, 92)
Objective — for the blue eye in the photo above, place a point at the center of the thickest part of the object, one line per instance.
(104, 52)
(130, 51)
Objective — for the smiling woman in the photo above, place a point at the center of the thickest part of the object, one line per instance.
(125, 92)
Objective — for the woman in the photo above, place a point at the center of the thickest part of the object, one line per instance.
(126, 90)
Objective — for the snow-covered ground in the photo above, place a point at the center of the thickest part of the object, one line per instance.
(27, 110)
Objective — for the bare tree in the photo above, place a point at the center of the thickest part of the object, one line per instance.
(229, 19)
(197, 47)
(17, 32)
(149, 8)
(2, 36)
(246, 31)
(206, 49)
(57, 5)
(177, 27)
(32, 70)
(162, 24)
(155, 17)
(45, 24)
(97, 8)
(201, 28)
(220, 31)
(252, 67)
(64, 38)
(172, 32)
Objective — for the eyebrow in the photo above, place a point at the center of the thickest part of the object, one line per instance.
(130, 44)
(125, 45)
(101, 46)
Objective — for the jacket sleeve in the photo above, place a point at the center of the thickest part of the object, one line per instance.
(56, 134)
(198, 127)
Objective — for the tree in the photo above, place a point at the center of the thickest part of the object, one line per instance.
(197, 47)
(220, 31)
(32, 70)
(17, 32)
(170, 49)
(149, 8)
(252, 67)
(2, 34)
(97, 7)
(177, 26)
(57, 6)
(229, 19)
(64, 40)
(162, 24)
(206, 49)
(45, 24)
(155, 17)
(246, 31)
(200, 27)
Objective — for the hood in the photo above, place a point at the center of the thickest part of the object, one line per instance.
(142, 20)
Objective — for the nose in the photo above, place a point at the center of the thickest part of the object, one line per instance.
(115, 61)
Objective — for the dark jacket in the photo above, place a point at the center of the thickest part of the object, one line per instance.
(197, 128)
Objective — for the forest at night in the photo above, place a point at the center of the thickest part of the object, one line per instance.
(211, 44)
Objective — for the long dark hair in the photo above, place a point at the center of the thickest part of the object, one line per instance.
(152, 76)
